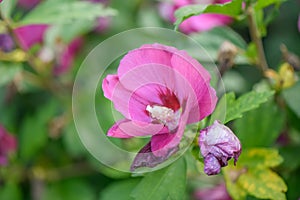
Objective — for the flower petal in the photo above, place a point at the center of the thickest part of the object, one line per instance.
(146, 158)
(219, 140)
(148, 83)
(141, 56)
(129, 103)
(30, 35)
(211, 165)
(204, 22)
(109, 85)
(127, 128)
(67, 57)
(182, 74)
(198, 78)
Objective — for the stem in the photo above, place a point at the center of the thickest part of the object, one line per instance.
(37, 188)
(255, 37)
(30, 57)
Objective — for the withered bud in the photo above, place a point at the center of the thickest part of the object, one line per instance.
(56, 126)
(290, 58)
(226, 56)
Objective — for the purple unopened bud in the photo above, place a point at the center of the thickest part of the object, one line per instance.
(8, 144)
(6, 43)
(211, 165)
(218, 144)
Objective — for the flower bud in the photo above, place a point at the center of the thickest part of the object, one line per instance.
(218, 144)
(6, 43)
(8, 144)
(226, 56)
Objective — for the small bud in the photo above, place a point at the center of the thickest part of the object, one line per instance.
(282, 79)
(226, 55)
(287, 75)
(218, 144)
(6, 43)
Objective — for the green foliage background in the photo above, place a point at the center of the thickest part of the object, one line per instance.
(52, 163)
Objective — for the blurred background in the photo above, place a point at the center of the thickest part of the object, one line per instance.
(41, 155)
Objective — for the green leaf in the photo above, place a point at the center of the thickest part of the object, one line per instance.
(7, 7)
(185, 12)
(260, 127)
(292, 98)
(260, 158)
(8, 72)
(251, 52)
(67, 32)
(234, 189)
(263, 184)
(220, 110)
(107, 171)
(260, 19)
(293, 183)
(33, 137)
(72, 141)
(69, 190)
(264, 3)
(291, 157)
(249, 101)
(234, 108)
(119, 190)
(34, 132)
(232, 9)
(252, 175)
(10, 191)
(212, 40)
(64, 12)
(159, 185)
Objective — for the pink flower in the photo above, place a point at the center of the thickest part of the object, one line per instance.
(159, 89)
(28, 4)
(30, 35)
(103, 24)
(216, 193)
(218, 144)
(8, 144)
(68, 55)
(199, 23)
(62, 54)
